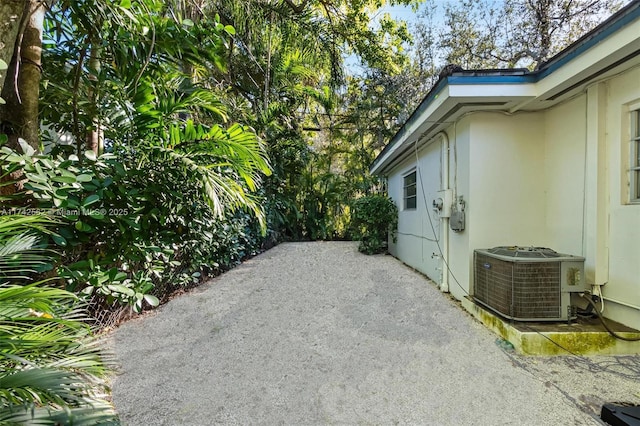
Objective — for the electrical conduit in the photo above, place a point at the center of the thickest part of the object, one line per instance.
(444, 286)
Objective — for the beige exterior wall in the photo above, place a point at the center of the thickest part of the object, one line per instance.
(507, 195)
(622, 227)
(564, 179)
(416, 244)
(587, 201)
(556, 178)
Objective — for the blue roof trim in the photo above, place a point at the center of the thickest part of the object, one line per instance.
(433, 94)
(619, 20)
(454, 80)
(586, 42)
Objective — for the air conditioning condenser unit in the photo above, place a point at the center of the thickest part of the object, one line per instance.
(527, 283)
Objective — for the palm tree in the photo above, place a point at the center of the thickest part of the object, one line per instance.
(51, 370)
(150, 94)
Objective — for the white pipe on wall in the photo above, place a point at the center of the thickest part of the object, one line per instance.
(444, 286)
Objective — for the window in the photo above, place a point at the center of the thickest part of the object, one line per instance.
(635, 156)
(409, 196)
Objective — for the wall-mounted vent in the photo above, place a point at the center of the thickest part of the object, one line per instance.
(527, 283)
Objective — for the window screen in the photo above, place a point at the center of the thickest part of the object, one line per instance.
(410, 197)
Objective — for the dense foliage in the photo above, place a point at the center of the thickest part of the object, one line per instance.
(375, 220)
(132, 231)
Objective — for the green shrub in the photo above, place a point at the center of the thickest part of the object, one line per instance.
(372, 219)
(131, 233)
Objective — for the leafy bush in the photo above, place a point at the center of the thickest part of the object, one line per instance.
(132, 232)
(373, 218)
(98, 222)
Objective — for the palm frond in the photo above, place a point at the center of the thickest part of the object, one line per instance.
(17, 257)
(228, 163)
(50, 368)
(18, 224)
(95, 413)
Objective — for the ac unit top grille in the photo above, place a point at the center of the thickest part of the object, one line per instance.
(528, 254)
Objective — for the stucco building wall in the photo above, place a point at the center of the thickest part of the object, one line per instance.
(555, 178)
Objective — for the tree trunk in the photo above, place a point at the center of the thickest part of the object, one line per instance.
(10, 18)
(94, 140)
(21, 25)
(21, 88)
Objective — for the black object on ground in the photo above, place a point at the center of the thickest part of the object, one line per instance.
(620, 414)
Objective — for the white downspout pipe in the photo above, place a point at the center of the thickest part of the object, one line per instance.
(444, 286)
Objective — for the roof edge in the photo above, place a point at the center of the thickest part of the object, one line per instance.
(485, 76)
(615, 22)
(621, 18)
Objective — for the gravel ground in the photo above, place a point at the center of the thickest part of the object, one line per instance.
(317, 333)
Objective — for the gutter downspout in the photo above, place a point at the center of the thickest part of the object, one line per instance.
(444, 217)
(596, 215)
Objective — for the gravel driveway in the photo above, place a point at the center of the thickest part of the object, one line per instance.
(317, 333)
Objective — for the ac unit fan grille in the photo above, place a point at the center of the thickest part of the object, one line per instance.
(518, 290)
